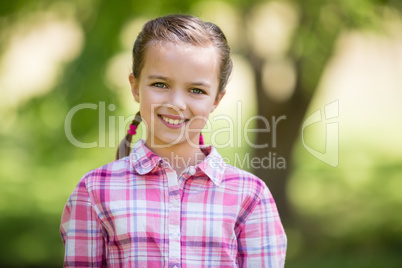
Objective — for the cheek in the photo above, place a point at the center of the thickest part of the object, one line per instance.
(147, 102)
(197, 124)
(150, 97)
(201, 116)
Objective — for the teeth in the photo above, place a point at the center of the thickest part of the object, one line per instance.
(173, 121)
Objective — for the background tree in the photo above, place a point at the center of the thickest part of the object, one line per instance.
(39, 167)
(313, 39)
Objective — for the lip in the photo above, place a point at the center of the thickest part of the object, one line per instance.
(171, 116)
(174, 118)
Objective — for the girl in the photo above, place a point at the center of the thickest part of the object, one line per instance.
(171, 201)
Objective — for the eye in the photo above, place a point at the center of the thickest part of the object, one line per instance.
(197, 91)
(159, 84)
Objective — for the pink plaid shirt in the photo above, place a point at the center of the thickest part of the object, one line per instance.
(136, 212)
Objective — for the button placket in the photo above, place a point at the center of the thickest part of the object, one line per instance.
(174, 203)
(175, 235)
(174, 218)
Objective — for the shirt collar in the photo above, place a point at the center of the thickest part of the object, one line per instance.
(143, 160)
(213, 165)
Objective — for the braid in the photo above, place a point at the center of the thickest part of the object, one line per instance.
(124, 146)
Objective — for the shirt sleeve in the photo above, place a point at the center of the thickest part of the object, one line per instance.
(262, 240)
(81, 231)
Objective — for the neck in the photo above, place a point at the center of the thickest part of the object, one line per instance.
(179, 156)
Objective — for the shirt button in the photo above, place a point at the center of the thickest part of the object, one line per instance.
(174, 203)
(175, 235)
(191, 170)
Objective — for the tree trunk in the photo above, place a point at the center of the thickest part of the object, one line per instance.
(285, 119)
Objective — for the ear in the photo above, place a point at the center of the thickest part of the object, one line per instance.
(134, 87)
(218, 99)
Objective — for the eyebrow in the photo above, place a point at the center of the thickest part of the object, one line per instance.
(198, 83)
(158, 77)
(201, 84)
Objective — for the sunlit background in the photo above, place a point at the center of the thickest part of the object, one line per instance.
(339, 193)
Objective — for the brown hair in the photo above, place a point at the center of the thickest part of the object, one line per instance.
(178, 29)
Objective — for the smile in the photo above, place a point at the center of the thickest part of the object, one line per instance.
(171, 121)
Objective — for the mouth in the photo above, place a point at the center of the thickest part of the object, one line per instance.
(172, 122)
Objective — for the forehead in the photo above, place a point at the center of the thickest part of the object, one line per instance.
(182, 58)
(184, 48)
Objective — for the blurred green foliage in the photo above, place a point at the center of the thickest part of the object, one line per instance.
(340, 223)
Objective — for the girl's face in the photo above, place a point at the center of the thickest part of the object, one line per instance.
(177, 90)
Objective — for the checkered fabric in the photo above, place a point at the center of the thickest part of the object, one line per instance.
(136, 212)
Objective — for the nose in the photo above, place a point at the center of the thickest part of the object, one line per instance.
(178, 100)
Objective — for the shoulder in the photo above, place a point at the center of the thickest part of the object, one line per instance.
(231, 176)
(244, 181)
(113, 171)
(99, 184)
(253, 197)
